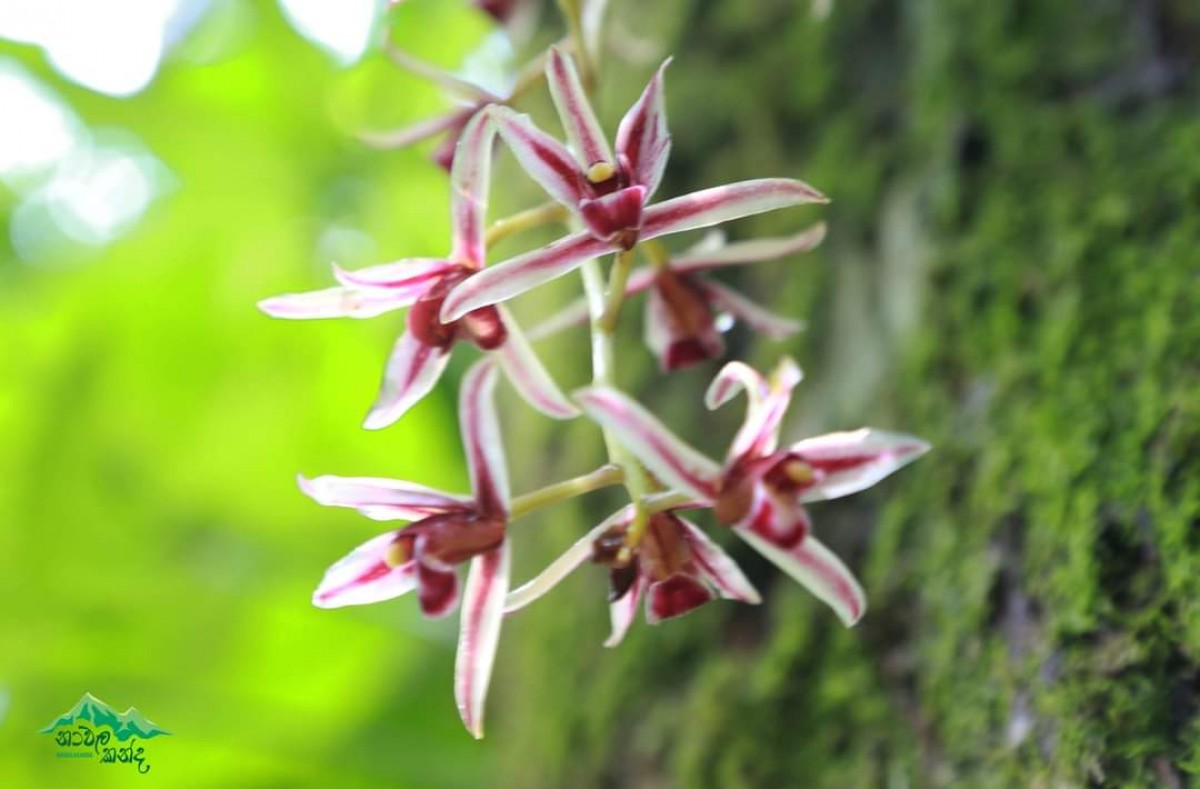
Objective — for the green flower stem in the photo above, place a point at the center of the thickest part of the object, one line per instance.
(602, 374)
(524, 220)
(572, 12)
(656, 253)
(622, 267)
(567, 489)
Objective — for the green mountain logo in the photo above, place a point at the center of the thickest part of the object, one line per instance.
(124, 725)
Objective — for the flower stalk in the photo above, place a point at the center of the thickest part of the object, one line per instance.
(544, 214)
(567, 489)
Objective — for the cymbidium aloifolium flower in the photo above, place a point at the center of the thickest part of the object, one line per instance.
(760, 489)
(687, 311)
(421, 354)
(445, 531)
(608, 192)
(675, 568)
(655, 558)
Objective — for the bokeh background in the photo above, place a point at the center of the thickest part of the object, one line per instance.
(1011, 273)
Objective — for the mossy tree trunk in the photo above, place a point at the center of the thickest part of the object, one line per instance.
(1013, 272)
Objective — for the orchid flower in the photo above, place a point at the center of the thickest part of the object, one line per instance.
(420, 355)
(445, 531)
(676, 568)
(760, 489)
(608, 192)
(471, 98)
(687, 312)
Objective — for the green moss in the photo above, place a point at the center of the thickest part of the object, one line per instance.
(1029, 173)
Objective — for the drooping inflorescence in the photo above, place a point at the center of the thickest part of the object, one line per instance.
(603, 196)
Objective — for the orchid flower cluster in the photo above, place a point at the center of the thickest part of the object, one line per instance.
(654, 555)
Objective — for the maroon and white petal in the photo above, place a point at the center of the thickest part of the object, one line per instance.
(675, 596)
(848, 462)
(481, 439)
(545, 159)
(759, 433)
(575, 111)
(365, 576)
(412, 276)
(479, 634)
(437, 590)
(412, 133)
(389, 499)
(741, 253)
(470, 176)
(724, 203)
(579, 553)
(666, 455)
(456, 86)
(736, 377)
(513, 277)
(623, 611)
(412, 370)
(716, 566)
(818, 569)
(642, 137)
(528, 375)
(680, 333)
(336, 302)
(757, 317)
(615, 217)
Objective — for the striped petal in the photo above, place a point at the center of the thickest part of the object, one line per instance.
(545, 159)
(515, 276)
(387, 499)
(337, 302)
(741, 253)
(848, 462)
(679, 326)
(642, 137)
(365, 576)
(439, 76)
(564, 565)
(470, 176)
(575, 111)
(412, 370)
(768, 402)
(671, 460)
(411, 277)
(481, 439)
(529, 376)
(622, 612)
(716, 566)
(479, 634)
(724, 203)
(817, 569)
(757, 317)
(415, 132)
(736, 377)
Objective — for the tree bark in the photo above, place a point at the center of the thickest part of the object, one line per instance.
(1012, 273)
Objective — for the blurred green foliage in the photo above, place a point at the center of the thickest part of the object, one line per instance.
(154, 549)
